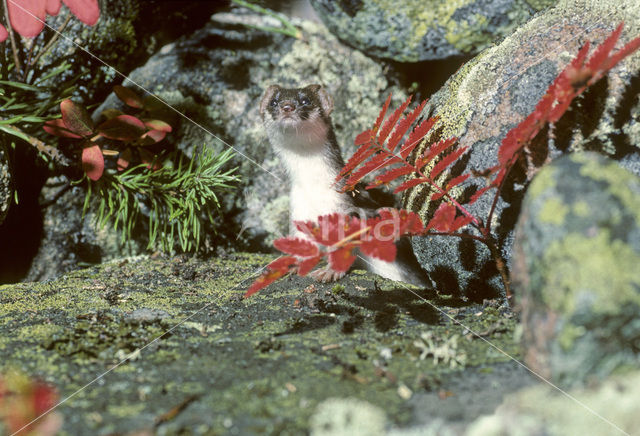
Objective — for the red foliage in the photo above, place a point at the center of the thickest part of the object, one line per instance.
(27, 17)
(133, 132)
(338, 236)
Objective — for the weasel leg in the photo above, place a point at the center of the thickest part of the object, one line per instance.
(326, 275)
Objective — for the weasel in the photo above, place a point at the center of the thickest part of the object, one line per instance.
(299, 128)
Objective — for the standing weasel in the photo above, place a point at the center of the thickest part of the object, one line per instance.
(300, 131)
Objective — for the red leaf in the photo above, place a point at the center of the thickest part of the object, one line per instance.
(330, 229)
(87, 11)
(93, 162)
(362, 154)
(393, 174)
(58, 128)
(76, 118)
(157, 125)
(433, 151)
(27, 16)
(307, 265)
(122, 128)
(296, 246)
(393, 119)
(3, 33)
(124, 160)
(452, 183)
(460, 222)
(446, 161)
(625, 51)
(601, 53)
(152, 137)
(282, 263)
(443, 219)
(409, 184)
(403, 126)
(377, 162)
(416, 136)
(384, 250)
(263, 281)
(128, 96)
(381, 115)
(341, 259)
(53, 7)
(364, 138)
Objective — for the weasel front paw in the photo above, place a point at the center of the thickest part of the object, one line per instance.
(326, 275)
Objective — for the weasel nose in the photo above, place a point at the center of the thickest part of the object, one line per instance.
(287, 106)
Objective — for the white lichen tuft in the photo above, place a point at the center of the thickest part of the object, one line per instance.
(347, 417)
(442, 350)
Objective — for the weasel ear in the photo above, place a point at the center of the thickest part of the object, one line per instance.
(326, 101)
(266, 98)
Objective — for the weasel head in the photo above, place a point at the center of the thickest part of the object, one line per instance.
(297, 118)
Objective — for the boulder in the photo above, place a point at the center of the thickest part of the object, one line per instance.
(495, 91)
(575, 269)
(413, 31)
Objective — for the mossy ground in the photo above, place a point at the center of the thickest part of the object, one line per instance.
(256, 366)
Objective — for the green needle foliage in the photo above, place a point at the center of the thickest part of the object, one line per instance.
(174, 200)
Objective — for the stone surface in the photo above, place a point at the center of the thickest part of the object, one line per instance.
(575, 269)
(418, 30)
(229, 365)
(494, 92)
(216, 78)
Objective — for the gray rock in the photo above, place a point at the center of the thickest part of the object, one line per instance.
(575, 268)
(494, 92)
(6, 190)
(415, 31)
(216, 78)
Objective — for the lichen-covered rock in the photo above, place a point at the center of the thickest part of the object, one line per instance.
(346, 417)
(496, 90)
(411, 31)
(6, 191)
(216, 78)
(216, 363)
(542, 410)
(127, 33)
(575, 268)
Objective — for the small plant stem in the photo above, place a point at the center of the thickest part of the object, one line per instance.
(59, 158)
(52, 41)
(501, 266)
(14, 45)
(286, 29)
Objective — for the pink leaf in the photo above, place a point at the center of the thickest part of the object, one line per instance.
(87, 11)
(27, 16)
(53, 7)
(58, 128)
(152, 137)
(3, 33)
(93, 162)
(76, 118)
(157, 125)
(122, 128)
(128, 96)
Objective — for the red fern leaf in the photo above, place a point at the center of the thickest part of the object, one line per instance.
(275, 270)
(381, 115)
(392, 120)
(460, 222)
(625, 51)
(384, 250)
(446, 161)
(434, 151)
(341, 259)
(362, 154)
(296, 246)
(307, 265)
(601, 54)
(479, 193)
(403, 126)
(375, 163)
(452, 183)
(443, 219)
(393, 174)
(416, 136)
(409, 184)
(364, 138)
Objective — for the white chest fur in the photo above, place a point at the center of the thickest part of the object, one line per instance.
(312, 192)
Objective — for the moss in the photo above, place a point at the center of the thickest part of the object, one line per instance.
(581, 209)
(579, 271)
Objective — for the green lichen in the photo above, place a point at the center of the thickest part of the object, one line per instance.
(579, 271)
(553, 211)
(581, 209)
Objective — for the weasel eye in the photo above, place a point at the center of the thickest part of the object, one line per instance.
(274, 102)
(305, 100)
